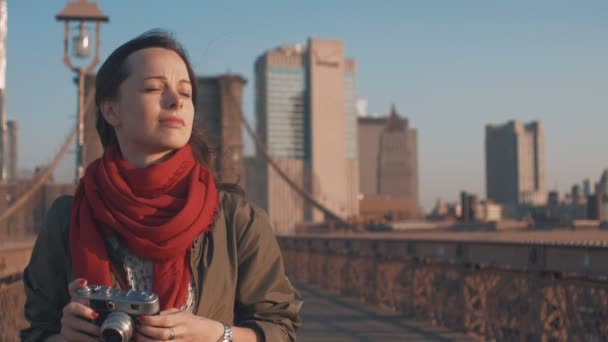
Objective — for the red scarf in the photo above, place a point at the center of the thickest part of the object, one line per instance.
(157, 211)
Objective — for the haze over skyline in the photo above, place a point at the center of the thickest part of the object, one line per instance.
(451, 68)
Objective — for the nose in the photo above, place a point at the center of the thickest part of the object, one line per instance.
(172, 99)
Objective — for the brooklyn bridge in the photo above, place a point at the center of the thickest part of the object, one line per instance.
(361, 279)
(360, 285)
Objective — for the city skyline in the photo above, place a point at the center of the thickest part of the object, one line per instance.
(451, 70)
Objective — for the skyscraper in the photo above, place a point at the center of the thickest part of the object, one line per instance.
(333, 122)
(398, 158)
(388, 161)
(602, 197)
(220, 104)
(587, 187)
(369, 130)
(306, 118)
(515, 163)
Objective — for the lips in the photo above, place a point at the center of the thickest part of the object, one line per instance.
(172, 122)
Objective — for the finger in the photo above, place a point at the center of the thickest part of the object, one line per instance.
(80, 326)
(79, 310)
(161, 321)
(76, 284)
(156, 333)
(71, 335)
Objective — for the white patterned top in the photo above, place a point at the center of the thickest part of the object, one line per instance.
(139, 273)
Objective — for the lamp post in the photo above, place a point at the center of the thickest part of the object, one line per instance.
(81, 12)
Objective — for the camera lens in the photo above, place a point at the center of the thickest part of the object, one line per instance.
(118, 327)
(112, 336)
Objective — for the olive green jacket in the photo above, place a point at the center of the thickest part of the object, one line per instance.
(237, 268)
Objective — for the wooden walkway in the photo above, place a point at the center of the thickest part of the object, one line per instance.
(327, 318)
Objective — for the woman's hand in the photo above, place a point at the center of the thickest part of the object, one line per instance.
(184, 324)
(75, 323)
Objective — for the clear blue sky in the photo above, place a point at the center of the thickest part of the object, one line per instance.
(450, 66)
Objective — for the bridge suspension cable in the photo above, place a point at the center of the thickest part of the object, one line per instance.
(43, 177)
(261, 149)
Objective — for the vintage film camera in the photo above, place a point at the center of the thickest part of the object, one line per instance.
(117, 309)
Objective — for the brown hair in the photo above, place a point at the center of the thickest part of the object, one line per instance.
(115, 70)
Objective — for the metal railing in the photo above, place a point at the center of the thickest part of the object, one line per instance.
(491, 290)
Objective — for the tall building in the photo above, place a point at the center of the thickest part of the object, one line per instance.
(333, 125)
(220, 103)
(282, 127)
(398, 158)
(587, 187)
(515, 163)
(593, 207)
(470, 207)
(369, 130)
(388, 160)
(577, 195)
(602, 197)
(306, 119)
(13, 150)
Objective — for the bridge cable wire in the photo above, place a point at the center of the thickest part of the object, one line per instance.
(261, 149)
(42, 178)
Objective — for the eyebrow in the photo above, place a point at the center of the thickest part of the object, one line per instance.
(163, 78)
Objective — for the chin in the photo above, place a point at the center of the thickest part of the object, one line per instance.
(172, 143)
(175, 146)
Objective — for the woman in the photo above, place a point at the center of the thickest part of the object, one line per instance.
(147, 216)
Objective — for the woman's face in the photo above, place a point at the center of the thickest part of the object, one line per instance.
(153, 113)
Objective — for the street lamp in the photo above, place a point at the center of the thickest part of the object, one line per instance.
(81, 12)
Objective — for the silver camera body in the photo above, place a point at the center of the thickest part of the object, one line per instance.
(117, 309)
